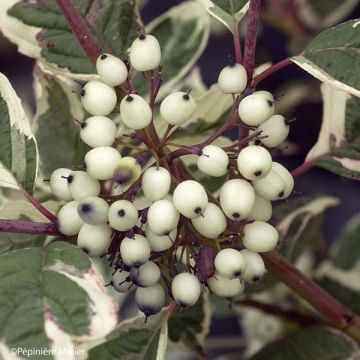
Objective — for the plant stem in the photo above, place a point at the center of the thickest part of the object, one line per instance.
(251, 35)
(237, 45)
(79, 27)
(28, 227)
(336, 313)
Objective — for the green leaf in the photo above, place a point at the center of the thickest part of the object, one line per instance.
(227, 11)
(114, 25)
(190, 326)
(56, 131)
(310, 344)
(338, 146)
(50, 296)
(334, 57)
(18, 152)
(346, 250)
(134, 340)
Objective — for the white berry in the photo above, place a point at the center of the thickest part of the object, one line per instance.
(135, 112)
(266, 94)
(112, 70)
(260, 236)
(59, 185)
(150, 300)
(101, 162)
(145, 275)
(162, 217)
(98, 131)
(177, 108)
(237, 198)
(158, 242)
(190, 198)
(275, 129)
(145, 53)
(68, 219)
(270, 187)
(229, 263)
(225, 287)
(285, 176)
(186, 289)
(212, 223)
(254, 162)
(93, 210)
(233, 79)
(98, 98)
(156, 183)
(135, 251)
(254, 266)
(123, 215)
(121, 281)
(262, 209)
(94, 239)
(82, 185)
(213, 161)
(255, 109)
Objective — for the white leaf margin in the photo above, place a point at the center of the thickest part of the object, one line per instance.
(18, 120)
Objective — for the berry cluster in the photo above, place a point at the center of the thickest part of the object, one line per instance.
(184, 239)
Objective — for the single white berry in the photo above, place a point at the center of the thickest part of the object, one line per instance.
(121, 281)
(68, 219)
(224, 287)
(150, 300)
(260, 236)
(233, 79)
(82, 185)
(285, 176)
(93, 210)
(135, 112)
(212, 223)
(213, 161)
(270, 187)
(101, 162)
(262, 209)
(186, 289)
(135, 251)
(98, 98)
(123, 215)
(237, 198)
(177, 108)
(190, 198)
(254, 266)
(158, 242)
(145, 275)
(274, 131)
(98, 131)
(254, 162)
(229, 263)
(162, 217)
(255, 109)
(94, 239)
(127, 171)
(59, 185)
(156, 183)
(145, 53)
(266, 94)
(112, 70)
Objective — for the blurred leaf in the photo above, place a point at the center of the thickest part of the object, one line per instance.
(18, 152)
(226, 11)
(56, 131)
(338, 146)
(334, 57)
(57, 298)
(191, 325)
(135, 340)
(310, 344)
(114, 24)
(324, 7)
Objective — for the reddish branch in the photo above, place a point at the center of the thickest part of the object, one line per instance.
(28, 227)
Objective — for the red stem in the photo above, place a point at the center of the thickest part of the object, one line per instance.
(80, 29)
(251, 35)
(28, 227)
(237, 45)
